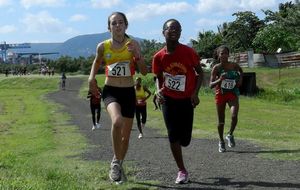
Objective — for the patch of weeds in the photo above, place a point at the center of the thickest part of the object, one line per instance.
(7, 160)
(279, 95)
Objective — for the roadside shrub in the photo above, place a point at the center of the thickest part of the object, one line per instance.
(279, 95)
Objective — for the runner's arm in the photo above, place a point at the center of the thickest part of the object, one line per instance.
(95, 67)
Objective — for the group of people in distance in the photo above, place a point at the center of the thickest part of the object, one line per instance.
(178, 77)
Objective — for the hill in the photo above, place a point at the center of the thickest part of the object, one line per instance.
(82, 45)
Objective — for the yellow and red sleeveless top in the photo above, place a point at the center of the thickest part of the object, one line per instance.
(118, 62)
(140, 93)
(140, 96)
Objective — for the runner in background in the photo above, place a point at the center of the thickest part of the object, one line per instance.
(141, 104)
(121, 55)
(63, 80)
(155, 99)
(95, 105)
(226, 77)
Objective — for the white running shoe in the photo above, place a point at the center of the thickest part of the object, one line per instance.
(222, 146)
(231, 141)
(98, 125)
(93, 127)
(182, 177)
(140, 135)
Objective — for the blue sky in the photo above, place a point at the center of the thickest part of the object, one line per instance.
(59, 20)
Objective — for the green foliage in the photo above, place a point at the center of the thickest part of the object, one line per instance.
(206, 43)
(271, 37)
(241, 32)
(149, 48)
(278, 29)
(279, 95)
(278, 87)
(283, 28)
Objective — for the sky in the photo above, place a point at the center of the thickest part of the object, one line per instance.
(46, 21)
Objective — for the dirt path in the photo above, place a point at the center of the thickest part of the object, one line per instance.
(238, 168)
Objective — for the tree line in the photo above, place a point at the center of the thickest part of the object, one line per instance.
(279, 29)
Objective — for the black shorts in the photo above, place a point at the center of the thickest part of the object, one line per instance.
(178, 115)
(125, 96)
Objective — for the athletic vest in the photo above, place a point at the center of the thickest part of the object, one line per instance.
(140, 95)
(118, 62)
(229, 83)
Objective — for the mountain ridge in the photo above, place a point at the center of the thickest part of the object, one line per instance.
(78, 46)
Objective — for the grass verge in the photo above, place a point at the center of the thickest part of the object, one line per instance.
(39, 149)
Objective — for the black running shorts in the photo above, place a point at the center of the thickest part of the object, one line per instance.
(125, 96)
(178, 115)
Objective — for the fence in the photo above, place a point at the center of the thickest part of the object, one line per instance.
(287, 60)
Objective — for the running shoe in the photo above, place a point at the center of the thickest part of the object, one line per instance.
(140, 135)
(123, 177)
(182, 177)
(115, 171)
(93, 127)
(98, 125)
(230, 139)
(222, 146)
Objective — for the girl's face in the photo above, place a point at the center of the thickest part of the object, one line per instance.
(172, 31)
(117, 25)
(223, 55)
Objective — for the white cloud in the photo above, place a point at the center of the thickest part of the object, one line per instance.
(207, 24)
(146, 11)
(43, 3)
(43, 22)
(105, 3)
(7, 29)
(255, 5)
(216, 7)
(232, 6)
(4, 3)
(78, 17)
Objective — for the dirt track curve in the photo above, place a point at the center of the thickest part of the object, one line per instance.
(238, 168)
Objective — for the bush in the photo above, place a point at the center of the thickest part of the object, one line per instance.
(279, 95)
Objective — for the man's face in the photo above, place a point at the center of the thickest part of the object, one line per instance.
(173, 31)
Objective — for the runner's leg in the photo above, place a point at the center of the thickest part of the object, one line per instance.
(221, 120)
(234, 109)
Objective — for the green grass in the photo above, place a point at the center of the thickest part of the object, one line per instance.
(39, 149)
(270, 119)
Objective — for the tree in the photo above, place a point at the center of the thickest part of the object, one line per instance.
(206, 43)
(282, 30)
(270, 38)
(149, 48)
(240, 33)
